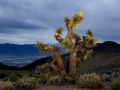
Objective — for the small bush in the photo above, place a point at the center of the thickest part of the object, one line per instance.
(25, 83)
(12, 78)
(42, 78)
(92, 81)
(115, 84)
(6, 85)
(55, 80)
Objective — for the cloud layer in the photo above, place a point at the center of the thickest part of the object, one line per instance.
(25, 21)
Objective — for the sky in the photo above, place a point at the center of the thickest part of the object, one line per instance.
(26, 21)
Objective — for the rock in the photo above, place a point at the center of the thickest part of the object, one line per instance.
(105, 76)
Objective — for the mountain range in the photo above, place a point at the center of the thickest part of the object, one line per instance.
(22, 50)
(104, 54)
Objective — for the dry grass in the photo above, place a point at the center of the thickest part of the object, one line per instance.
(6, 85)
(55, 80)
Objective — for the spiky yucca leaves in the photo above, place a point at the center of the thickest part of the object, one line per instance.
(77, 18)
(89, 32)
(76, 37)
(86, 54)
(81, 12)
(92, 42)
(66, 45)
(41, 47)
(59, 30)
(66, 20)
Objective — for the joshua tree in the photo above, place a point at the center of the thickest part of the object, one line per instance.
(72, 43)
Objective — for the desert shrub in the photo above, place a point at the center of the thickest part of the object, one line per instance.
(3, 74)
(92, 81)
(29, 74)
(6, 85)
(12, 78)
(55, 80)
(42, 78)
(25, 83)
(115, 84)
(33, 74)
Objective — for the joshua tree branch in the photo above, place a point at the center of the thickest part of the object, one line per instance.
(57, 58)
(69, 34)
(58, 37)
(49, 67)
(86, 38)
(41, 68)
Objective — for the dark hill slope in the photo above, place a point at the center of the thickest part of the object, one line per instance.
(108, 46)
(100, 63)
(105, 58)
(6, 67)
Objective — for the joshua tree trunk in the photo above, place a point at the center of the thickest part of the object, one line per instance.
(69, 35)
(72, 64)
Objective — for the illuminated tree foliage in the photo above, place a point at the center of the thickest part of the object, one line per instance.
(72, 43)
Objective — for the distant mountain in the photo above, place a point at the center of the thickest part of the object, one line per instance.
(22, 50)
(108, 46)
(6, 67)
(30, 49)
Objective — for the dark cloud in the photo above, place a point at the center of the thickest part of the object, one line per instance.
(16, 24)
(25, 21)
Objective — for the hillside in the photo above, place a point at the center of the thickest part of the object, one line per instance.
(108, 46)
(105, 58)
(100, 63)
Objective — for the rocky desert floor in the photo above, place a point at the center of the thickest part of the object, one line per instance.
(68, 87)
